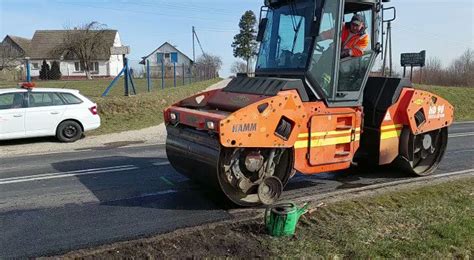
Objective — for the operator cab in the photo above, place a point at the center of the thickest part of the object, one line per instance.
(295, 44)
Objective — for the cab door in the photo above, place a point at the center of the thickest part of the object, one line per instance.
(353, 71)
(353, 74)
(332, 138)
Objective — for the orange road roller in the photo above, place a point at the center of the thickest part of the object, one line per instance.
(308, 109)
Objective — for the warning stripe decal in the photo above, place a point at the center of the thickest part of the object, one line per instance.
(387, 132)
(321, 134)
(338, 137)
(390, 131)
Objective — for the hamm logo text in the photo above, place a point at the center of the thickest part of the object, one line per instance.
(240, 128)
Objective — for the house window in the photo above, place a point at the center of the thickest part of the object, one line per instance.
(167, 55)
(93, 67)
(78, 67)
(35, 66)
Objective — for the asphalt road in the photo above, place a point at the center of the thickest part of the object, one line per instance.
(55, 203)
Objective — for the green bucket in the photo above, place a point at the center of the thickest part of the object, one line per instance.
(281, 219)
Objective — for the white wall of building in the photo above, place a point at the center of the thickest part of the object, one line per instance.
(68, 69)
(109, 68)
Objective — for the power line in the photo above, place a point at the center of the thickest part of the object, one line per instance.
(144, 12)
(224, 10)
(183, 8)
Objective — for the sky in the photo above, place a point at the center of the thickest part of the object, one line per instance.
(444, 28)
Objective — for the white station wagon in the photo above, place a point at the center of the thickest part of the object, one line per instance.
(36, 112)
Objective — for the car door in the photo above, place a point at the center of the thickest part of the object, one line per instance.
(43, 114)
(12, 115)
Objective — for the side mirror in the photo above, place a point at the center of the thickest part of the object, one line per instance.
(261, 29)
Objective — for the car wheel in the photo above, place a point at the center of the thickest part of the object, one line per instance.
(69, 131)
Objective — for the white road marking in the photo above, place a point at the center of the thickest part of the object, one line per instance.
(452, 173)
(57, 175)
(461, 135)
(156, 193)
(161, 163)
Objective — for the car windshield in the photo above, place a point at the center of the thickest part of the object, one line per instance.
(287, 37)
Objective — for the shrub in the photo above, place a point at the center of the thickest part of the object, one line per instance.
(44, 72)
(55, 72)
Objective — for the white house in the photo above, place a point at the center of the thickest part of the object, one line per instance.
(44, 43)
(170, 55)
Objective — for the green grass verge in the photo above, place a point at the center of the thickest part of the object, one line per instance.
(431, 222)
(119, 113)
(95, 87)
(462, 98)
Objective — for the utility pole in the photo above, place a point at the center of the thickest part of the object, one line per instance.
(194, 49)
(388, 47)
(389, 29)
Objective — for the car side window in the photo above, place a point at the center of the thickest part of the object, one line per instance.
(57, 100)
(71, 99)
(44, 99)
(11, 101)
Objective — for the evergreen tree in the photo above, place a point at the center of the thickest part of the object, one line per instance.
(44, 72)
(55, 72)
(245, 42)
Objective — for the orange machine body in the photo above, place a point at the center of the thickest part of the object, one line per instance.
(323, 139)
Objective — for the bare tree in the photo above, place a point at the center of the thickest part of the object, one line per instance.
(465, 64)
(459, 73)
(208, 66)
(85, 43)
(432, 71)
(238, 67)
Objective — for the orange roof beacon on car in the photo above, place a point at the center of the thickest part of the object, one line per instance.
(27, 85)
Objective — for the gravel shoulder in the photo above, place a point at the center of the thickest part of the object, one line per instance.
(147, 136)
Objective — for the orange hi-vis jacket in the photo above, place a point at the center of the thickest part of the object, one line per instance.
(356, 43)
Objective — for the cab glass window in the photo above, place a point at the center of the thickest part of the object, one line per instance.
(287, 37)
(11, 101)
(323, 60)
(352, 70)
